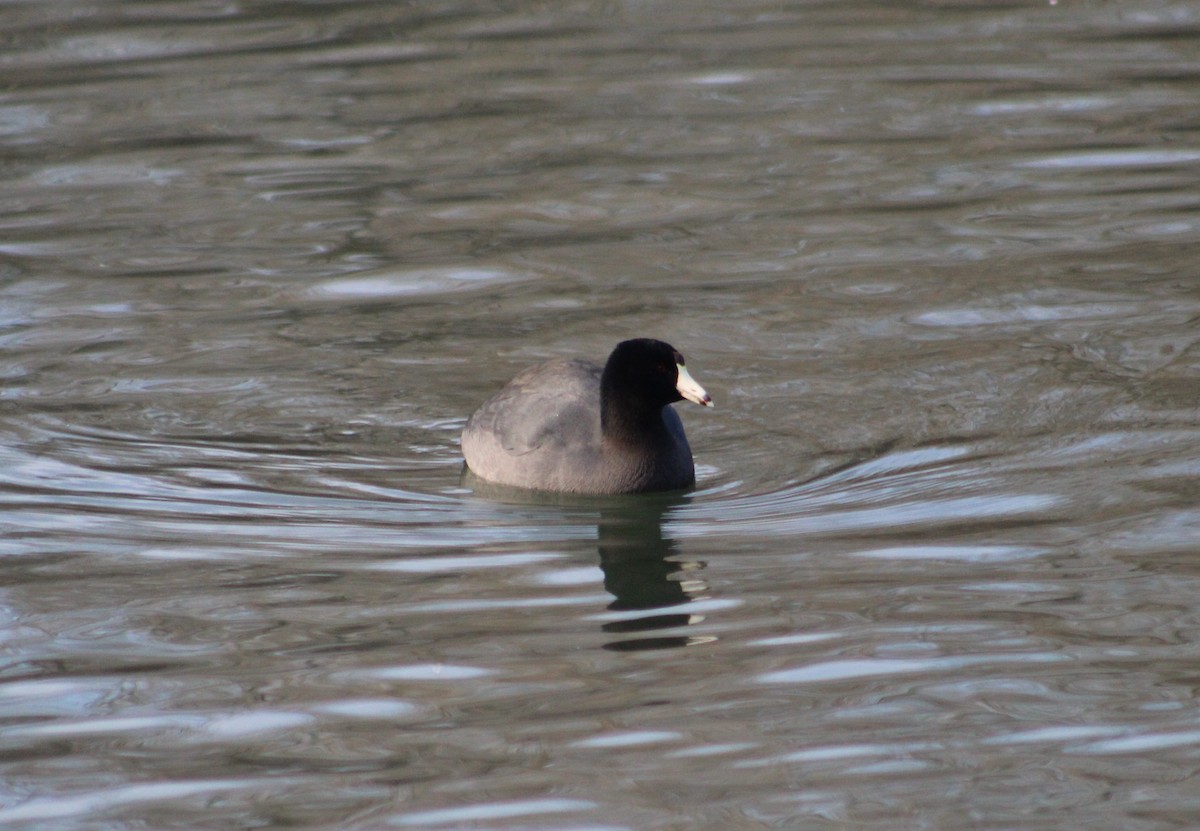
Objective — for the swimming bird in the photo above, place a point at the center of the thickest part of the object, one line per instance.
(570, 426)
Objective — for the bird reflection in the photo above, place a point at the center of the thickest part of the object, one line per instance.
(642, 573)
(650, 585)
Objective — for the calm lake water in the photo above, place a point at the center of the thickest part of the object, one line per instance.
(935, 261)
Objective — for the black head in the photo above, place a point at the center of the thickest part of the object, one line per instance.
(652, 372)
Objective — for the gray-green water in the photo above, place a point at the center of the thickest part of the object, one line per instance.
(936, 262)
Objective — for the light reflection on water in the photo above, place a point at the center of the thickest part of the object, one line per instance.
(935, 262)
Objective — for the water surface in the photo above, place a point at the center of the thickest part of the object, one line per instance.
(934, 261)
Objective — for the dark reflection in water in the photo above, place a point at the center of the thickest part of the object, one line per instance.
(641, 567)
(642, 573)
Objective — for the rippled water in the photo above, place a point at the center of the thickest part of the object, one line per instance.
(935, 261)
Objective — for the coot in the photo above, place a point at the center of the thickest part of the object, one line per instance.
(571, 427)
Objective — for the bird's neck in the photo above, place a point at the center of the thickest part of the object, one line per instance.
(628, 419)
